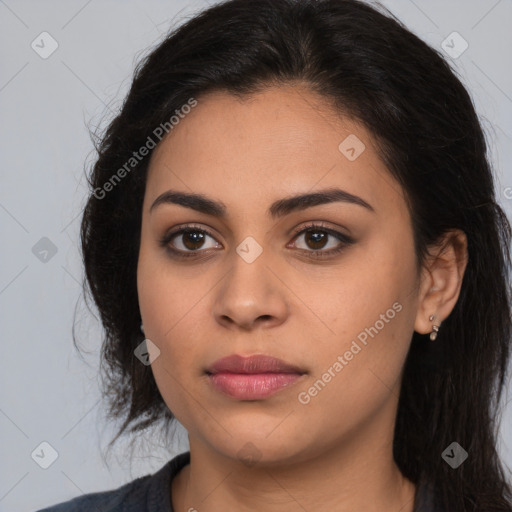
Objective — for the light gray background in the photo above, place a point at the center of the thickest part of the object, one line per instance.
(48, 393)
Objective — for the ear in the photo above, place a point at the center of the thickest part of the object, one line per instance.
(441, 280)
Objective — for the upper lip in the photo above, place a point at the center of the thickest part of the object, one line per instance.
(252, 364)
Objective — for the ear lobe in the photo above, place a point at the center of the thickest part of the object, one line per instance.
(441, 280)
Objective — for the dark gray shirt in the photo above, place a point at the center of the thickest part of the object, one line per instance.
(152, 493)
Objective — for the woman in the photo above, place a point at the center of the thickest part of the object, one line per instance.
(294, 244)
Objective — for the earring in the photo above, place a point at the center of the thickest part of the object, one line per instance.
(435, 328)
(142, 329)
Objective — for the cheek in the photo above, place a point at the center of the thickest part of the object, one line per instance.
(176, 323)
(169, 309)
(364, 294)
(370, 316)
(165, 297)
(359, 371)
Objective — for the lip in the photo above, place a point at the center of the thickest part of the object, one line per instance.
(258, 363)
(252, 378)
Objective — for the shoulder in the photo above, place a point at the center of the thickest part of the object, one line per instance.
(127, 497)
(150, 492)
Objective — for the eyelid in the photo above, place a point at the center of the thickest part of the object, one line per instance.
(321, 225)
(181, 228)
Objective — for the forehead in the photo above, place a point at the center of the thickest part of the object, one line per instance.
(274, 143)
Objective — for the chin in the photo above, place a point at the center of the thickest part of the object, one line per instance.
(252, 445)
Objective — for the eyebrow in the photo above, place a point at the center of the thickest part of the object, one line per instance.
(279, 208)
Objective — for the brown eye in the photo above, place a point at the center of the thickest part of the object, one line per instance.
(317, 238)
(188, 241)
(192, 239)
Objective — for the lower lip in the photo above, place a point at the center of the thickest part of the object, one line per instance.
(252, 386)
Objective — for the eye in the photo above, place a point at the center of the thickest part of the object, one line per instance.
(316, 238)
(188, 239)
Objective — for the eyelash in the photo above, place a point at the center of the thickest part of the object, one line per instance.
(345, 240)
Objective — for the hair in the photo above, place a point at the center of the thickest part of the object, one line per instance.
(372, 69)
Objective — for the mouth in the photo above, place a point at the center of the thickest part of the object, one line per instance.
(252, 378)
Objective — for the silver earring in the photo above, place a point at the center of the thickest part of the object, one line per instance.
(142, 329)
(435, 329)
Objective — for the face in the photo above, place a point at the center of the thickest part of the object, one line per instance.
(328, 287)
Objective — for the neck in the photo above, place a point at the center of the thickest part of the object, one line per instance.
(358, 474)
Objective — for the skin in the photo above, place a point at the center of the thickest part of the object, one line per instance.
(336, 450)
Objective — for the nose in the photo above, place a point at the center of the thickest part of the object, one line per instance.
(251, 295)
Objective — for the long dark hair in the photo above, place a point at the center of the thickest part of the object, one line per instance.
(372, 68)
